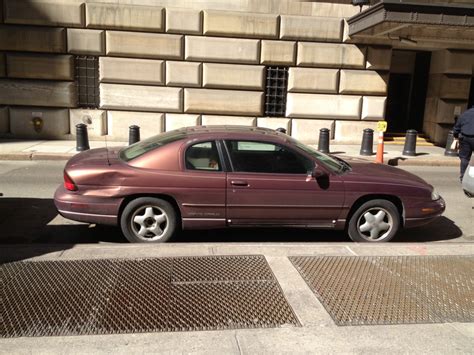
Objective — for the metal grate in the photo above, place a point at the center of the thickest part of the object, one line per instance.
(392, 290)
(87, 81)
(77, 297)
(275, 91)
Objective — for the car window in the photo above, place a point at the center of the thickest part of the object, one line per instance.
(264, 157)
(203, 156)
(334, 164)
(142, 147)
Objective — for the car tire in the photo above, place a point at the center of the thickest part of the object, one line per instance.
(148, 220)
(375, 221)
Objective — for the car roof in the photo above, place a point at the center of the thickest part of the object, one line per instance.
(231, 130)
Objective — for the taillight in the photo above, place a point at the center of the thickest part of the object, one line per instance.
(68, 183)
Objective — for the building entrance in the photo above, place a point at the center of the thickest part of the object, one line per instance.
(407, 86)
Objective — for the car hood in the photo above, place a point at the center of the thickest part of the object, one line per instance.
(362, 170)
(96, 157)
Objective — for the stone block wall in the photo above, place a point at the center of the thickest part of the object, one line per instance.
(448, 91)
(165, 64)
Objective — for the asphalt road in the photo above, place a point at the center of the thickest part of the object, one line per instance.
(27, 213)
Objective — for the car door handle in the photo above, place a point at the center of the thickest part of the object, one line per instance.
(239, 183)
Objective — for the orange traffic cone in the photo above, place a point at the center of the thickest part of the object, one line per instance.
(379, 156)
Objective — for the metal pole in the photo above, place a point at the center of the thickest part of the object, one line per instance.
(366, 147)
(133, 134)
(323, 143)
(82, 138)
(410, 143)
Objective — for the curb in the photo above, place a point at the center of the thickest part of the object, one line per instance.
(35, 156)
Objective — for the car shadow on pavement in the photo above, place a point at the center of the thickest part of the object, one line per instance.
(441, 229)
(35, 220)
(27, 221)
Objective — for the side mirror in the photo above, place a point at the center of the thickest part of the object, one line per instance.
(316, 172)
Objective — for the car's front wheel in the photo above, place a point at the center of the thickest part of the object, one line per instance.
(374, 221)
(148, 220)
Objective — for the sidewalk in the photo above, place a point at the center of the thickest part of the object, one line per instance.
(317, 332)
(62, 150)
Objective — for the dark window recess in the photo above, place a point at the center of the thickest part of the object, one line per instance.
(264, 157)
(275, 91)
(87, 81)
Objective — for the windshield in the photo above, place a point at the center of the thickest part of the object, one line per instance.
(333, 164)
(142, 147)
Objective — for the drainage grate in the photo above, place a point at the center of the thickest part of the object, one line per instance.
(78, 297)
(392, 290)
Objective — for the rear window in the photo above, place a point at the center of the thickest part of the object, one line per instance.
(138, 149)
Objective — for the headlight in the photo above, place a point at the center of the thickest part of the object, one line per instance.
(435, 196)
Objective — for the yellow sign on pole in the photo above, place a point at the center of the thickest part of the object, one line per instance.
(382, 126)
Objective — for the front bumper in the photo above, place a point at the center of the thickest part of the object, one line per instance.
(85, 208)
(423, 213)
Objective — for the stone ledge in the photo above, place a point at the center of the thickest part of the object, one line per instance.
(323, 106)
(217, 49)
(57, 13)
(223, 101)
(240, 24)
(187, 74)
(363, 82)
(32, 39)
(313, 80)
(330, 55)
(233, 76)
(183, 21)
(35, 66)
(278, 52)
(141, 98)
(124, 17)
(38, 93)
(132, 71)
(89, 42)
(144, 45)
(326, 29)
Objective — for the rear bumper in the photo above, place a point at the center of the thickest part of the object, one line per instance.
(84, 208)
(424, 213)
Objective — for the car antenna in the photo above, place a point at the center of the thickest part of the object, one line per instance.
(106, 149)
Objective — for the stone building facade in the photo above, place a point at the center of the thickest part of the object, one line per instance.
(164, 64)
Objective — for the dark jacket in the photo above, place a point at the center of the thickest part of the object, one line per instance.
(465, 124)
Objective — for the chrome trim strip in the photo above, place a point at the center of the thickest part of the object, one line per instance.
(422, 218)
(282, 206)
(291, 225)
(88, 214)
(201, 205)
(203, 219)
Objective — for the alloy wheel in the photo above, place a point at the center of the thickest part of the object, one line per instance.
(149, 223)
(375, 224)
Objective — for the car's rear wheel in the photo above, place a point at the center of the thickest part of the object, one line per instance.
(148, 220)
(374, 221)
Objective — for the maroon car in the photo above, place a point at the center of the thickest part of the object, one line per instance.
(222, 176)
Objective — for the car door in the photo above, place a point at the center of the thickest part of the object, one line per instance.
(202, 195)
(269, 185)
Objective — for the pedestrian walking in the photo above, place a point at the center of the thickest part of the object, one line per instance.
(464, 131)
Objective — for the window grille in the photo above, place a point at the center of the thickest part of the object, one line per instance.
(87, 81)
(275, 91)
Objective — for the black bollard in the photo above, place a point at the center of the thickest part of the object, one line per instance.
(410, 143)
(366, 147)
(133, 134)
(323, 143)
(82, 139)
(448, 151)
(281, 130)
